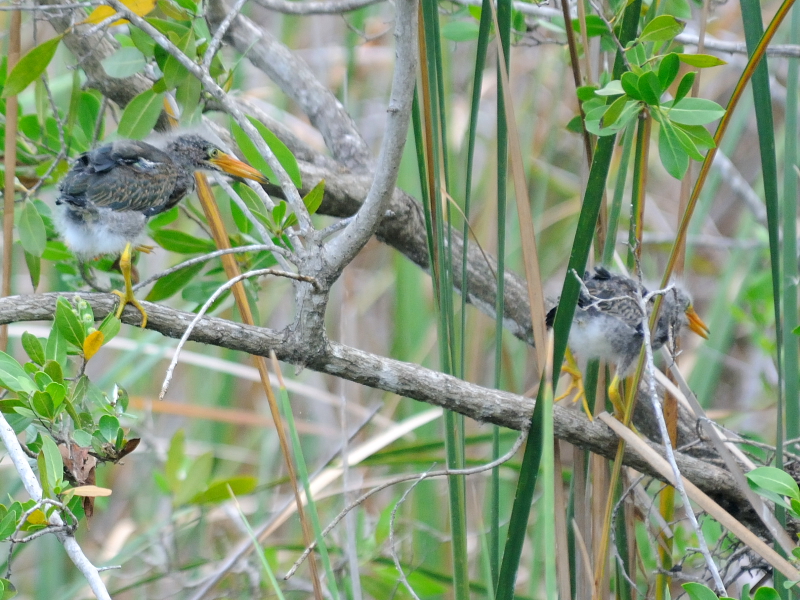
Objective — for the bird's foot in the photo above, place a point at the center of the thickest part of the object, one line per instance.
(614, 395)
(127, 298)
(145, 248)
(575, 384)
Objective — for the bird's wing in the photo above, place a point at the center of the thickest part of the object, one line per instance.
(124, 175)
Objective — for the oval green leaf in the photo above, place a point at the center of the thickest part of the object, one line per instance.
(68, 324)
(182, 243)
(141, 115)
(32, 234)
(661, 29)
(173, 283)
(30, 67)
(124, 63)
(701, 61)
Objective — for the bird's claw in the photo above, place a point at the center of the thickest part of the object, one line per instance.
(125, 299)
(576, 383)
(145, 248)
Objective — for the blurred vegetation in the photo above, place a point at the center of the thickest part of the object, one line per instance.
(208, 468)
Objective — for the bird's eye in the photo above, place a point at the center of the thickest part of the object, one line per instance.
(214, 153)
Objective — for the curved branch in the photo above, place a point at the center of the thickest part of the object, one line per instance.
(297, 81)
(344, 247)
(334, 7)
(405, 379)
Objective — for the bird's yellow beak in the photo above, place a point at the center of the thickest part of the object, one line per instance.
(696, 324)
(236, 167)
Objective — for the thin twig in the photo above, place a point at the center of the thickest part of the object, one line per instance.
(214, 45)
(213, 298)
(392, 550)
(402, 478)
(206, 258)
(662, 426)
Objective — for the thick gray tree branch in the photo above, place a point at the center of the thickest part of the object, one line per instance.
(413, 381)
(342, 249)
(297, 81)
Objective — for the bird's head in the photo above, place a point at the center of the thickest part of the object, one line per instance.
(199, 153)
(677, 312)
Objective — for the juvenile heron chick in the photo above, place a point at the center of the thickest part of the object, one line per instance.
(110, 193)
(608, 324)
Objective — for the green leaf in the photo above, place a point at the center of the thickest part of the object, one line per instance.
(196, 479)
(42, 405)
(575, 124)
(54, 371)
(166, 27)
(9, 591)
(697, 591)
(672, 154)
(774, 480)
(313, 199)
(142, 41)
(187, 95)
(766, 593)
(586, 92)
(686, 143)
(109, 327)
(57, 393)
(630, 85)
(53, 460)
(13, 377)
(175, 72)
(30, 67)
(175, 458)
(33, 347)
(615, 110)
(685, 86)
(67, 322)
(698, 134)
(56, 251)
(34, 264)
(218, 492)
(8, 525)
(650, 88)
(694, 111)
(56, 348)
(595, 26)
(173, 283)
(701, 61)
(124, 63)
(678, 8)
(32, 234)
(661, 29)
(668, 70)
(460, 31)
(141, 115)
(108, 428)
(282, 153)
(182, 243)
(612, 88)
(163, 219)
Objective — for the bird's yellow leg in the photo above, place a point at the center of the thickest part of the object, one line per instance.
(127, 297)
(576, 383)
(614, 395)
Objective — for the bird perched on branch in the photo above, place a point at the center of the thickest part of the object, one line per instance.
(110, 193)
(609, 324)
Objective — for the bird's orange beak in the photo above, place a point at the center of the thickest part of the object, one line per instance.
(236, 167)
(696, 324)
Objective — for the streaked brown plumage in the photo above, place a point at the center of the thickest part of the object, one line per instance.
(110, 193)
